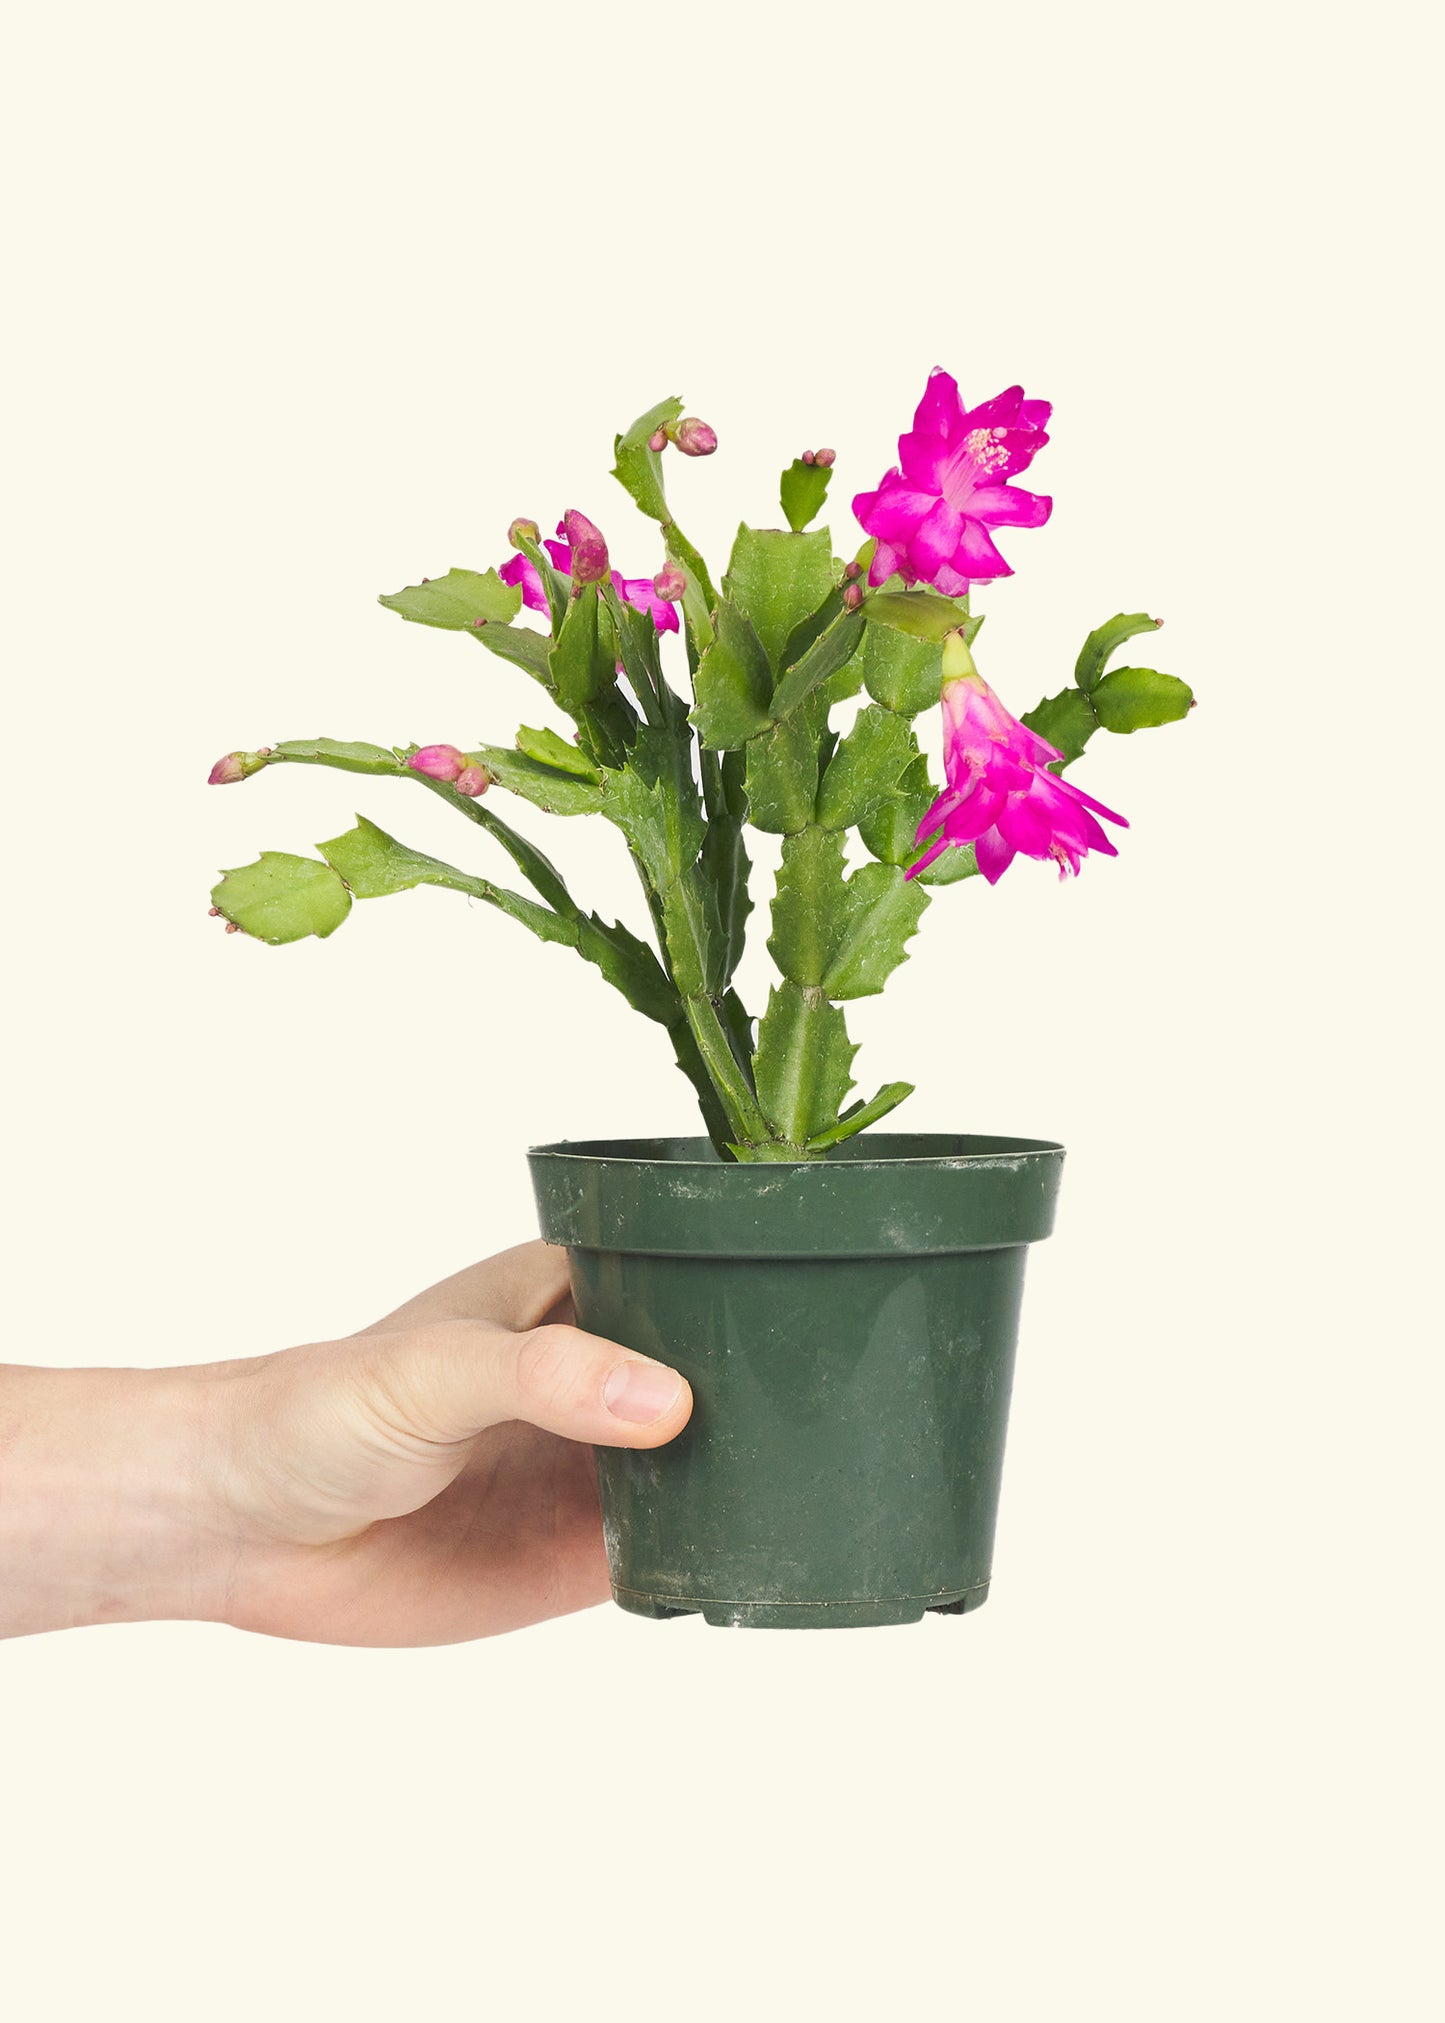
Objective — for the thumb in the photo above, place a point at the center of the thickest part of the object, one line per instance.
(456, 1378)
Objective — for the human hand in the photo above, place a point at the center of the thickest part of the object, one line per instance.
(421, 1482)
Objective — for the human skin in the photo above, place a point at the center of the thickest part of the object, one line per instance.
(425, 1481)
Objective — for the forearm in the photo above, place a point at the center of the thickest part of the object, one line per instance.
(107, 1512)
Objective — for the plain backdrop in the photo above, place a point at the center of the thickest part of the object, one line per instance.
(306, 302)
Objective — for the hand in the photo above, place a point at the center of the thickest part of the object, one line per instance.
(421, 1482)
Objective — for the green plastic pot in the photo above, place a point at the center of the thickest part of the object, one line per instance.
(848, 1328)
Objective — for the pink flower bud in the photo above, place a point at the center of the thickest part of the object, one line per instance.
(853, 571)
(523, 530)
(694, 438)
(657, 441)
(438, 762)
(827, 458)
(670, 582)
(852, 596)
(589, 550)
(807, 457)
(472, 781)
(225, 772)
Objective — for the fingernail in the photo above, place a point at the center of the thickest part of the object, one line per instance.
(641, 1391)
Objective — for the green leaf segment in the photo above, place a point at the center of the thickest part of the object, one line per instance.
(1127, 699)
(771, 652)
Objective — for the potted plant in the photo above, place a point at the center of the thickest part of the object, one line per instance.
(843, 1302)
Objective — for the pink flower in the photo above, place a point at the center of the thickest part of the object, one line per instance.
(1000, 795)
(438, 762)
(931, 517)
(635, 590)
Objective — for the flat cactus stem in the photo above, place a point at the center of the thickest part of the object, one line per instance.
(1124, 700)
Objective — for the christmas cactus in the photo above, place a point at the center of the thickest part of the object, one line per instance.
(788, 636)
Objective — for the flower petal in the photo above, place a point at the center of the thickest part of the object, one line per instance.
(896, 511)
(887, 561)
(994, 855)
(1006, 772)
(934, 819)
(976, 554)
(1038, 751)
(1078, 794)
(1008, 506)
(952, 582)
(923, 458)
(638, 591)
(940, 412)
(927, 858)
(973, 814)
(1000, 412)
(520, 570)
(934, 539)
(1028, 823)
(1012, 450)
(1076, 827)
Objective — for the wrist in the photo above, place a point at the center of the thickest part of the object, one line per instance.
(109, 1504)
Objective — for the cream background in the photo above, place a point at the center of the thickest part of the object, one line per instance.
(308, 302)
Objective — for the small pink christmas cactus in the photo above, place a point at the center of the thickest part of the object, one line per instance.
(681, 753)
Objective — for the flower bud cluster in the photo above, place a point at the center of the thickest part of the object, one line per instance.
(453, 768)
(693, 437)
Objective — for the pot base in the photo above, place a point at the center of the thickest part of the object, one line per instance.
(861, 1615)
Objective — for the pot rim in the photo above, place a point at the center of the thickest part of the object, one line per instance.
(923, 1194)
(992, 1147)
